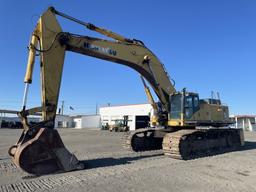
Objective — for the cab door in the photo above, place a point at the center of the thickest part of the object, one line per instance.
(191, 106)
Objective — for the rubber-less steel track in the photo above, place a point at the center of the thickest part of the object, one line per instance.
(142, 140)
(186, 143)
(190, 144)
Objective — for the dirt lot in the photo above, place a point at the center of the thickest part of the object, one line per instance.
(112, 168)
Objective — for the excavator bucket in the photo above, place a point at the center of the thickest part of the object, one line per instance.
(41, 151)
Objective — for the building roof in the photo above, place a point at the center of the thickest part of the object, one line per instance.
(79, 116)
(244, 116)
(123, 105)
(8, 111)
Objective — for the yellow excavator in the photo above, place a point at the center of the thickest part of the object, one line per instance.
(184, 126)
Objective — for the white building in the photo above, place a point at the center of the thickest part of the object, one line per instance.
(63, 121)
(15, 122)
(246, 122)
(9, 119)
(138, 114)
(138, 117)
(87, 121)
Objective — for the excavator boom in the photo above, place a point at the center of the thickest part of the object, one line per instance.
(53, 44)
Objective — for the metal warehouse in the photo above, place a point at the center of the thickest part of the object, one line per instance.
(138, 115)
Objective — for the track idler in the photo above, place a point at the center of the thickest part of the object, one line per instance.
(41, 151)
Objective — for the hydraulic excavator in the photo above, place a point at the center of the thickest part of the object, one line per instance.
(184, 126)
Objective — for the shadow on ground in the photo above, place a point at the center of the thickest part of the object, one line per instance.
(109, 161)
(248, 145)
(101, 162)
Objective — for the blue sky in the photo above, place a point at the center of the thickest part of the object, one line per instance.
(205, 45)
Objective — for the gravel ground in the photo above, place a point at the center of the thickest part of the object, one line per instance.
(109, 167)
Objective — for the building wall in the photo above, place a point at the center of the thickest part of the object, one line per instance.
(63, 121)
(15, 122)
(87, 121)
(112, 113)
(77, 122)
(246, 122)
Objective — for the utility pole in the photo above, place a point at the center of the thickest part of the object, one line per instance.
(96, 112)
(62, 107)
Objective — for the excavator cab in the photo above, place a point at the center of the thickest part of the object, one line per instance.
(182, 106)
(186, 109)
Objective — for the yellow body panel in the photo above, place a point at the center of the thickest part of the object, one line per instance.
(211, 112)
(175, 122)
(207, 113)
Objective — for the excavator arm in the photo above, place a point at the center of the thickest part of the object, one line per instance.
(54, 43)
(40, 149)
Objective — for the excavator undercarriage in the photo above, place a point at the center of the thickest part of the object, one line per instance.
(185, 144)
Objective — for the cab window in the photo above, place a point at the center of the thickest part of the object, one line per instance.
(189, 101)
(189, 107)
(196, 103)
(175, 106)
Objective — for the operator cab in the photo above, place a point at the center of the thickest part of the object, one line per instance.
(183, 102)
